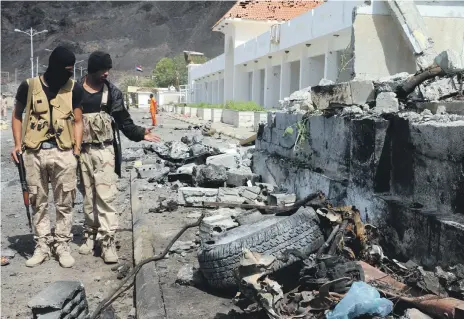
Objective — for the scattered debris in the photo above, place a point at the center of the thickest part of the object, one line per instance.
(209, 175)
(188, 275)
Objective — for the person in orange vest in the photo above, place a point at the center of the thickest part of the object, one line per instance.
(153, 109)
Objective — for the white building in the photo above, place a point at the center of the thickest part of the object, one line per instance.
(273, 48)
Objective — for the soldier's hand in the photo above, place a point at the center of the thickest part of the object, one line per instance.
(150, 136)
(16, 149)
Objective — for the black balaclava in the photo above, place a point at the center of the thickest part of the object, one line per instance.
(98, 61)
(56, 74)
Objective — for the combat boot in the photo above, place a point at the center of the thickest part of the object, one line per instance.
(41, 254)
(87, 247)
(108, 253)
(63, 252)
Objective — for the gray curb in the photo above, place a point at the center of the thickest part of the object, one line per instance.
(149, 301)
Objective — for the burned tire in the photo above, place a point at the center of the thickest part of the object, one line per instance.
(272, 236)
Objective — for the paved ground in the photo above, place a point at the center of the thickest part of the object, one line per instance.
(20, 283)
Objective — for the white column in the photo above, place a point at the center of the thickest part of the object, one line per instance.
(331, 64)
(304, 68)
(221, 90)
(211, 90)
(241, 84)
(256, 86)
(268, 73)
(218, 91)
(284, 78)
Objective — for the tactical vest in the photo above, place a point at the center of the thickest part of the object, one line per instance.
(39, 126)
(97, 126)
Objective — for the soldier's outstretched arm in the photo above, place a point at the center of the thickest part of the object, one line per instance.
(78, 130)
(16, 125)
(126, 124)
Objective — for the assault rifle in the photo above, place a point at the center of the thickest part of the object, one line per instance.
(22, 178)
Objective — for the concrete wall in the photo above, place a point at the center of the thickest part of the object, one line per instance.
(381, 50)
(143, 99)
(383, 167)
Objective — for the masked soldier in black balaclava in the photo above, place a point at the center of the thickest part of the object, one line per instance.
(49, 138)
(104, 114)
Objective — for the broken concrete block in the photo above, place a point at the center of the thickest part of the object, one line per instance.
(226, 160)
(450, 61)
(197, 149)
(149, 171)
(271, 119)
(323, 96)
(179, 151)
(281, 199)
(196, 195)
(130, 155)
(189, 276)
(160, 148)
(209, 175)
(186, 169)
(434, 90)
(362, 92)
(251, 193)
(62, 299)
(239, 176)
(230, 195)
(415, 314)
(246, 162)
(386, 102)
(390, 83)
(187, 140)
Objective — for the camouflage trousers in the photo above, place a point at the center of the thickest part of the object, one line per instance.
(58, 167)
(98, 186)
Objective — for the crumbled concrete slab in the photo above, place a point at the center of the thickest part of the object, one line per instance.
(197, 149)
(251, 193)
(179, 150)
(386, 102)
(390, 83)
(345, 93)
(130, 155)
(209, 175)
(239, 176)
(441, 107)
(227, 160)
(437, 89)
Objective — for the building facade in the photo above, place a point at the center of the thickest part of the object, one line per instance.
(273, 48)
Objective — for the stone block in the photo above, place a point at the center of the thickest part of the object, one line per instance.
(227, 160)
(390, 83)
(149, 171)
(62, 299)
(186, 169)
(179, 151)
(386, 102)
(267, 134)
(323, 96)
(251, 193)
(450, 61)
(259, 118)
(230, 195)
(239, 176)
(197, 149)
(438, 107)
(288, 140)
(209, 175)
(281, 199)
(216, 115)
(198, 191)
(276, 135)
(362, 92)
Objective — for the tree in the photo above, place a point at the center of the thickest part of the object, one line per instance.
(173, 71)
(164, 72)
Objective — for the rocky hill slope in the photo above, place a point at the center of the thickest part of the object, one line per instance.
(132, 32)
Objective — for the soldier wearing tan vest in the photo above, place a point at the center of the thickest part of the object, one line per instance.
(104, 114)
(50, 137)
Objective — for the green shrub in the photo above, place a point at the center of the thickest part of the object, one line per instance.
(249, 106)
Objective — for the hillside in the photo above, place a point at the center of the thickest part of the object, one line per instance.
(132, 32)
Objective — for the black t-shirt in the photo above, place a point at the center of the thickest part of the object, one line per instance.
(21, 96)
(91, 102)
